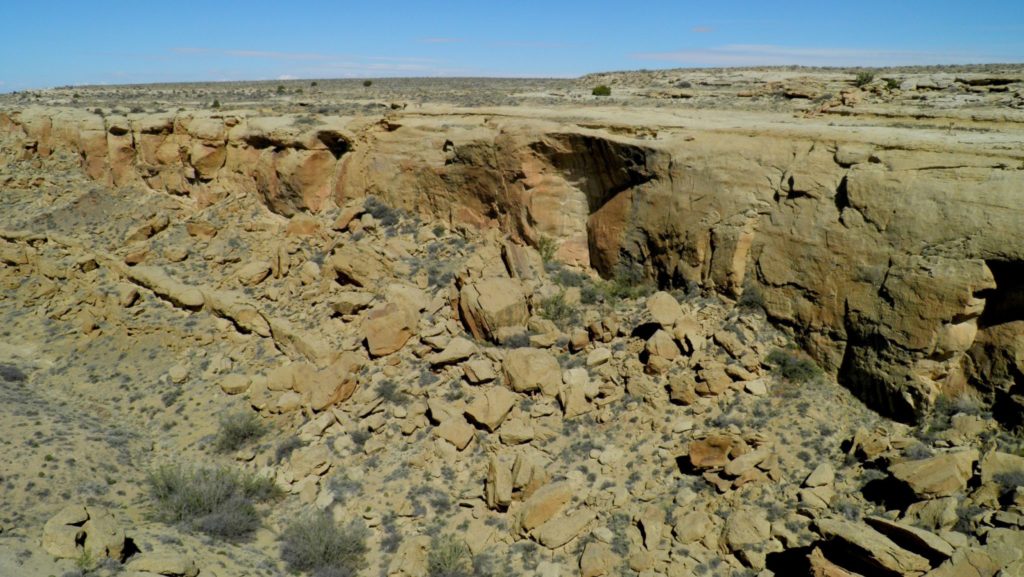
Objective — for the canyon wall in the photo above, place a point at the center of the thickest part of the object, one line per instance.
(897, 261)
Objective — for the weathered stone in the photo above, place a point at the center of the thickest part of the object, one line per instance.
(559, 531)
(388, 328)
(491, 407)
(875, 548)
(498, 487)
(456, 431)
(664, 309)
(492, 304)
(598, 560)
(253, 272)
(544, 504)
(235, 384)
(746, 527)
(166, 563)
(458, 349)
(939, 476)
(530, 370)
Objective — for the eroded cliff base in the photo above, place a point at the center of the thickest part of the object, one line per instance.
(440, 318)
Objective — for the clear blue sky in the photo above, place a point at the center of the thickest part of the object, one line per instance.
(77, 42)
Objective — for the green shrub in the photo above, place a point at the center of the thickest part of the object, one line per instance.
(863, 79)
(547, 247)
(216, 103)
(793, 366)
(892, 83)
(601, 90)
(554, 308)
(238, 430)
(367, 83)
(317, 545)
(217, 501)
(449, 557)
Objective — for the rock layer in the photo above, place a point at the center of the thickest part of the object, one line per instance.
(893, 254)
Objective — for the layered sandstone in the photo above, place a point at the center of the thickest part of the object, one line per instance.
(894, 253)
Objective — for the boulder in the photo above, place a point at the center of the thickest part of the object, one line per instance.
(458, 349)
(253, 272)
(491, 407)
(168, 563)
(559, 531)
(529, 370)
(664, 309)
(387, 328)
(939, 476)
(873, 548)
(498, 486)
(493, 304)
(544, 504)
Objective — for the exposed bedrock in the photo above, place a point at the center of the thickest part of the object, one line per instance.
(899, 267)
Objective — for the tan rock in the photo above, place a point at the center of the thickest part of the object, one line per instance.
(167, 563)
(598, 560)
(456, 431)
(457, 350)
(874, 547)
(662, 345)
(917, 540)
(498, 487)
(939, 476)
(712, 451)
(822, 475)
(492, 304)
(387, 328)
(235, 384)
(746, 527)
(253, 272)
(351, 302)
(664, 309)
(104, 537)
(822, 567)
(561, 530)
(530, 370)
(491, 407)
(544, 504)
(693, 526)
(479, 371)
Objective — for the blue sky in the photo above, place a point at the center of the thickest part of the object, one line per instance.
(112, 42)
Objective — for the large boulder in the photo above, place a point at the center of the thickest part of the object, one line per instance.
(388, 327)
(493, 304)
(529, 370)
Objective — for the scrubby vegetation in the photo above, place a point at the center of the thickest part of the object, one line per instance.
(794, 366)
(601, 90)
(217, 501)
(238, 430)
(863, 79)
(317, 545)
(449, 557)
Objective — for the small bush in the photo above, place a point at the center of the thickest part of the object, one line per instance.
(554, 308)
(317, 545)
(1009, 480)
(286, 447)
(892, 83)
(381, 212)
(216, 104)
(238, 430)
(216, 501)
(449, 557)
(793, 366)
(863, 79)
(601, 90)
(367, 83)
(547, 247)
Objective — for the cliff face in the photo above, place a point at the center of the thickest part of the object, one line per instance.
(895, 255)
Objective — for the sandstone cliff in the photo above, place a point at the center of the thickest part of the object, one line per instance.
(896, 255)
